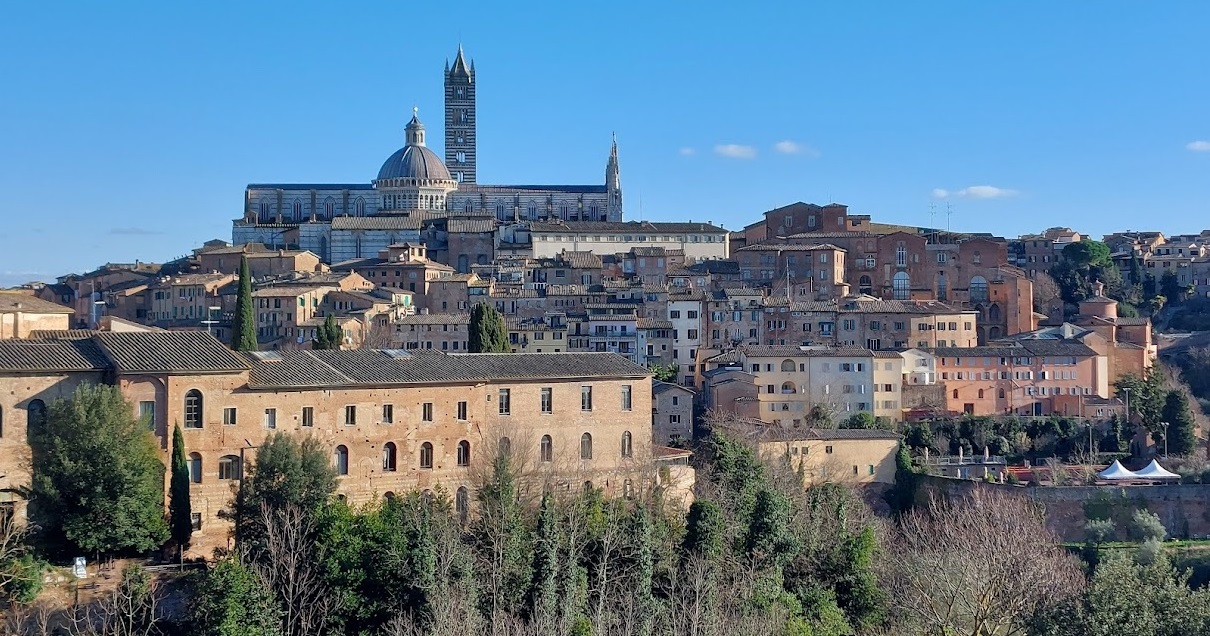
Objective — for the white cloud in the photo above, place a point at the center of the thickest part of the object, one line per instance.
(1199, 146)
(787, 147)
(975, 192)
(687, 151)
(735, 151)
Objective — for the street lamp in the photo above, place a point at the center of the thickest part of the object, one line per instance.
(1126, 390)
(1092, 453)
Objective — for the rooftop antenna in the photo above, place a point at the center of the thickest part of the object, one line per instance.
(933, 220)
(949, 211)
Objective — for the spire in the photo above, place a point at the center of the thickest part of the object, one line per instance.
(613, 183)
(459, 69)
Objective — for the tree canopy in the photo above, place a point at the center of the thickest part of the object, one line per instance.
(98, 483)
(288, 471)
(243, 330)
(488, 333)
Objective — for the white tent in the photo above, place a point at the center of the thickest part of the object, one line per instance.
(1155, 471)
(1116, 471)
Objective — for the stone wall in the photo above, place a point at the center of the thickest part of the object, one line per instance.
(1183, 508)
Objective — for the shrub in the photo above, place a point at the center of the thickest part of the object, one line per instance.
(1145, 526)
(1099, 530)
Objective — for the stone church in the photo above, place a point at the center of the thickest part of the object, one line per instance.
(418, 197)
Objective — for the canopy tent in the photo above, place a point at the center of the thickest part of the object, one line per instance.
(1116, 471)
(1155, 471)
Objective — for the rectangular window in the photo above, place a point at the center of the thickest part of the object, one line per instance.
(229, 416)
(350, 415)
(270, 418)
(426, 412)
(505, 401)
(674, 419)
(308, 416)
(585, 398)
(548, 402)
(388, 413)
(462, 411)
(625, 397)
(147, 413)
(195, 521)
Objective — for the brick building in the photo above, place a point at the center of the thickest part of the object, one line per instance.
(394, 421)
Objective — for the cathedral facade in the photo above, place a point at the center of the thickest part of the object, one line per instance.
(416, 194)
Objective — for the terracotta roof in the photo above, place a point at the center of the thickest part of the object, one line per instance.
(433, 319)
(168, 352)
(582, 260)
(12, 302)
(563, 227)
(393, 367)
(471, 226)
(376, 223)
(653, 323)
(761, 431)
(770, 351)
(50, 356)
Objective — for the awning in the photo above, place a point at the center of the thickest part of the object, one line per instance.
(1116, 471)
(1155, 471)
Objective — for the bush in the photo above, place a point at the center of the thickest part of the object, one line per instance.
(1145, 526)
(1099, 530)
(24, 579)
(1149, 551)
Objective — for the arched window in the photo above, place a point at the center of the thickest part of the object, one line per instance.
(788, 365)
(298, 208)
(329, 207)
(788, 388)
(462, 502)
(955, 394)
(505, 447)
(548, 449)
(865, 285)
(228, 467)
(388, 457)
(587, 487)
(265, 213)
(901, 256)
(359, 206)
(193, 409)
(993, 313)
(980, 394)
(464, 453)
(499, 210)
(1000, 393)
(586, 446)
(901, 286)
(627, 445)
(389, 497)
(942, 288)
(978, 289)
(426, 455)
(628, 489)
(340, 460)
(533, 210)
(195, 468)
(468, 208)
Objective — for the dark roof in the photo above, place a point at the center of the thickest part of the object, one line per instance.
(714, 267)
(375, 223)
(471, 226)
(63, 334)
(310, 186)
(50, 355)
(622, 226)
(168, 352)
(764, 432)
(501, 189)
(433, 319)
(581, 260)
(658, 387)
(1036, 347)
(392, 367)
(772, 351)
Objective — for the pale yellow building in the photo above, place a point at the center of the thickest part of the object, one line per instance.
(859, 457)
(21, 314)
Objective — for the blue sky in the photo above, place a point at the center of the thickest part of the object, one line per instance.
(129, 129)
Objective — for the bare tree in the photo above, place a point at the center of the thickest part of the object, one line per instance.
(287, 565)
(980, 565)
(13, 543)
(131, 609)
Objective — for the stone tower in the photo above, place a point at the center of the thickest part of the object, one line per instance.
(460, 137)
(613, 184)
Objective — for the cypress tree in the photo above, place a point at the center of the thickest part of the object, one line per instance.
(243, 333)
(488, 334)
(544, 590)
(179, 513)
(1181, 438)
(335, 335)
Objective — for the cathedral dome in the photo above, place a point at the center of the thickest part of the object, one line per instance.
(414, 160)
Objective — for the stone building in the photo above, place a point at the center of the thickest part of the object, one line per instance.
(857, 457)
(22, 313)
(393, 421)
(671, 413)
(698, 241)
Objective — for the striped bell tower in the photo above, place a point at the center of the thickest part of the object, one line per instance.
(460, 137)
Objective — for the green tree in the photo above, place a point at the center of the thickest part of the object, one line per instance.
(1086, 253)
(180, 515)
(1128, 597)
(665, 372)
(861, 419)
(287, 471)
(98, 484)
(1182, 440)
(243, 331)
(1147, 525)
(1146, 397)
(705, 531)
(1171, 288)
(329, 335)
(501, 540)
(1136, 269)
(544, 588)
(488, 333)
(231, 600)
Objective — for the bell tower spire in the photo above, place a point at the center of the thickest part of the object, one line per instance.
(613, 184)
(460, 118)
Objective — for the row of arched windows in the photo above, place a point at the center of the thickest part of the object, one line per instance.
(296, 211)
(390, 454)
